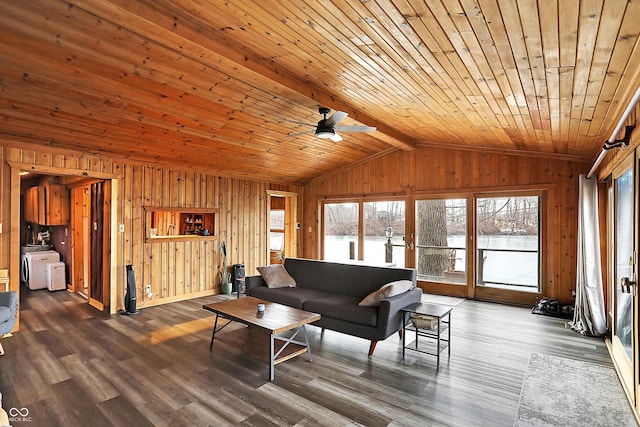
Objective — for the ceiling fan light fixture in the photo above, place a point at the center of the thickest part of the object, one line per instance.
(325, 133)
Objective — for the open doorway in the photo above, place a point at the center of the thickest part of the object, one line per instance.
(49, 212)
(282, 226)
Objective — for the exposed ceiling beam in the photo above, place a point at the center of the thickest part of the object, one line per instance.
(191, 41)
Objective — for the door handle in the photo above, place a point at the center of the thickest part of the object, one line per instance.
(627, 286)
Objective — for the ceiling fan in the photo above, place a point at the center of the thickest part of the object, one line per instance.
(327, 127)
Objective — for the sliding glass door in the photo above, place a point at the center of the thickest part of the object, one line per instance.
(441, 240)
(623, 275)
(473, 245)
(508, 243)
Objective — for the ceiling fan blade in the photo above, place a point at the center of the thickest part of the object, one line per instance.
(301, 133)
(336, 118)
(336, 137)
(355, 128)
(298, 123)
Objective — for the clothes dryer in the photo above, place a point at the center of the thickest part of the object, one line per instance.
(34, 268)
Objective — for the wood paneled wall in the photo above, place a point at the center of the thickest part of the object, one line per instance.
(175, 269)
(441, 171)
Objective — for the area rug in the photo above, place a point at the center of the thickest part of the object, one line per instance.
(565, 392)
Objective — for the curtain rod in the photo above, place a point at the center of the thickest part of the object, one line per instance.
(615, 132)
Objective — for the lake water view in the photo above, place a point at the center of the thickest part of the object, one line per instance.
(519, 268)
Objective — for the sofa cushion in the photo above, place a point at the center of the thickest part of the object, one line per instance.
(5, 314)
(293, 297)
(275, 276)
(388, 290)
(344, 308)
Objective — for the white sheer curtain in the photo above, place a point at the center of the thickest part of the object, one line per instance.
(589, 316)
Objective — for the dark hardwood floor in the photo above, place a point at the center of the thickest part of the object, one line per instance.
(72, 366)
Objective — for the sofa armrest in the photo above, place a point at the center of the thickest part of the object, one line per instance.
(252, 282)
(389, 316)
(9, 299)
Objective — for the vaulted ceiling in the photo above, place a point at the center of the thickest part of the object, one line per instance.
(219, 84)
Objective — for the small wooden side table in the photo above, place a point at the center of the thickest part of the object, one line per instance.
(436, 343)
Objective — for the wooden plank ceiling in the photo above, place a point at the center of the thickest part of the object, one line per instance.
(208, 84)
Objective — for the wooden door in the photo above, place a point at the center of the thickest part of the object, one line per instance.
(99, 238)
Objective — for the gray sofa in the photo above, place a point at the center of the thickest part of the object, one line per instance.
(334, 290)
(8, 313)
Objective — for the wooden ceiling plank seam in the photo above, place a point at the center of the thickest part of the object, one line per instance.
(515, 91)
(488, 116)
(568, 18)
(451, 69)
(478, 39)
(412, 42)
(473, 56)
(531, 28)
(484, 90)
(549, 36)
(432, 60)
(515, 35)
(450, 61)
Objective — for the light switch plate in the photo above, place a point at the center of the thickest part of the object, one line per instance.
(121, 228)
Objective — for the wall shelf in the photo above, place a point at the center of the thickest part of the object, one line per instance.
(164, 223)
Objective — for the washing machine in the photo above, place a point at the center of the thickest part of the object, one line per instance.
(35, 270)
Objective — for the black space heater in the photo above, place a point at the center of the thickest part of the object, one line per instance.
(237, 275)
(130, 296)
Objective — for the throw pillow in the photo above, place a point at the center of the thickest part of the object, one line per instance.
(275, 276)
(388, 290)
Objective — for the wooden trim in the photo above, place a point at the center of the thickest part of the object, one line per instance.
(14, 240)
(510, 152)
(179, 238)
(53, 170)
(112, 292)
(181, 209)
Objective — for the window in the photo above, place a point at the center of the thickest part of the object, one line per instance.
(508, 242)
(384, 225)
(340, 231)
(276, 227)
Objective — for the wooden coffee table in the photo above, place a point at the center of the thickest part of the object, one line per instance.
(275, 319)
